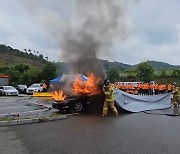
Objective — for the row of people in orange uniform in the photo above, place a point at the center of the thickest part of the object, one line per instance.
(144, 88)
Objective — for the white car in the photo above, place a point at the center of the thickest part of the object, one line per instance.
(9, 91)
(36, 87)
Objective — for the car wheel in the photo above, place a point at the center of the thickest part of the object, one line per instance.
(77, 106)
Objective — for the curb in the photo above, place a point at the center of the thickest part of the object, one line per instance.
(30, 121)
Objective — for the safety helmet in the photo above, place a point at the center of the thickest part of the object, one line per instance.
(106, 82)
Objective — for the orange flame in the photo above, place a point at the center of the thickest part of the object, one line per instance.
(89, 87)
(59, 95)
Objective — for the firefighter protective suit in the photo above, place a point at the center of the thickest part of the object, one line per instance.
(176, 95)
(109, 101)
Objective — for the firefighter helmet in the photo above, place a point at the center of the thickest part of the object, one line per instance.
(106, 82)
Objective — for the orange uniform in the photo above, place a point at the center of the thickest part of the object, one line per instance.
(169, 88)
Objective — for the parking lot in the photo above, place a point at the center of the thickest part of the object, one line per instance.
(22, 104)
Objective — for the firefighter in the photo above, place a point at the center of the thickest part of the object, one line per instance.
(109, 101)
(176, 95)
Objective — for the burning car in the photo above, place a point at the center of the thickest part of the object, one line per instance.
(79, 104)
(86, 94)
(73, 104)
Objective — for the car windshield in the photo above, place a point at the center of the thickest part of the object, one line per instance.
(9, 88)
(34, 86)
(22, 86)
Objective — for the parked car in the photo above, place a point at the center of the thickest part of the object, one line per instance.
(21, 88)
(9, 91)
(36, 87)
(79, 104)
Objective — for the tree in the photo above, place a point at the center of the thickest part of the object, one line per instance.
(113, 74)
(15, 76)
(48, 72)
(46, 58)
(145, 72)
(22, 67)
(29, 51)
(25, 50)
(32, 76)
(175, 73)
(130, 74)
(41, 56)
(163, 73)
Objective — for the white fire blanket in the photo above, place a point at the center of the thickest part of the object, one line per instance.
(138, 103)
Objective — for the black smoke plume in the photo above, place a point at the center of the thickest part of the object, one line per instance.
(89, 34)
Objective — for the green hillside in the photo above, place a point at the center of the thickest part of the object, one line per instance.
(10, 57)
(25, 67)
(29, 66)
(161, 65)
(108, 65)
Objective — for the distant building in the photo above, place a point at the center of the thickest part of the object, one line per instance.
(4, 80)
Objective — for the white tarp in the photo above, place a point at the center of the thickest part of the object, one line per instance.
(138, 103)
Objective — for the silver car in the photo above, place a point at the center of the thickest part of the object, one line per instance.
(9, 91)
(36, 87)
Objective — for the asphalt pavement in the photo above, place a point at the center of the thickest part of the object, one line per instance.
(9, 143)
(18, 104)
(89, 133)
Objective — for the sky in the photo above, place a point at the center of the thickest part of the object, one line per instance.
(152, 28)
